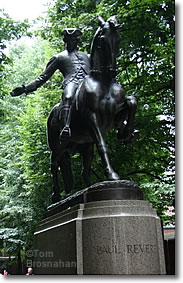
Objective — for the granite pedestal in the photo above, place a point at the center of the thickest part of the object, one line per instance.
(109, 236)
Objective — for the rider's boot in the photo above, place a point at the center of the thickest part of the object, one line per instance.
(65, 120)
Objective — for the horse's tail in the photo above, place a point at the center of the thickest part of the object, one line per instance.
(53, 127)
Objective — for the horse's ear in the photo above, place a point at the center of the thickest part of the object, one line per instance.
(113, 22)
(101, 21)
(113, 25)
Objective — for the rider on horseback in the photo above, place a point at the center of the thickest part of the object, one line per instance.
(74, 66)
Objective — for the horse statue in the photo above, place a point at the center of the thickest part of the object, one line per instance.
(99, 106)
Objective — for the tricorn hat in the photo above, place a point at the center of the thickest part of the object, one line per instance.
(69, 32)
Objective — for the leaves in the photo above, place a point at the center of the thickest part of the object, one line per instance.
(9, 29)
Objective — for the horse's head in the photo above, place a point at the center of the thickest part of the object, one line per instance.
(105, 46)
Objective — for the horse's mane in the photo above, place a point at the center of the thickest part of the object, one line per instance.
(94, 54)
(97, 55)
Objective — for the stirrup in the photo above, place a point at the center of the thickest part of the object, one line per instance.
(65, 133)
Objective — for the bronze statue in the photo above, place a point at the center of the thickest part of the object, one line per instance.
(98, 105)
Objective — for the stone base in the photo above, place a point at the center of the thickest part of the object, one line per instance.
(100, 237)
(107, 190)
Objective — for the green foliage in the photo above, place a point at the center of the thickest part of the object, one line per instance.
(25, 183)
(162, 197)
(33, 135)
(15, 215)
(10, 30)
(25, 63)
(10, 169)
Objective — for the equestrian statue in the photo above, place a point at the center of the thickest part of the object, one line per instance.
(92, 103)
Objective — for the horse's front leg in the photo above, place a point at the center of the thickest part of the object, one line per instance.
(101, 147)
(132, 107)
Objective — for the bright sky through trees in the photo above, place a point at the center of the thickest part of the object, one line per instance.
(22, 9)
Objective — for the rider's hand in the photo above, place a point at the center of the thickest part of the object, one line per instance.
(18, 91)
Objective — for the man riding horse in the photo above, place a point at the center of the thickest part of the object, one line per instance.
(74, 66)
(93, 103)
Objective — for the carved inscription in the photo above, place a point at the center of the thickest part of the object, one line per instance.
(141, 248)
(130, 249)
(106, 249)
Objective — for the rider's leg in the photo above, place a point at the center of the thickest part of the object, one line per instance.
(65, 118)
(66, 110)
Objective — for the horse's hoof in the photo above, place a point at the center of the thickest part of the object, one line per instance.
(113, 176)
(68, 190)
(133, 137)
(55, 198)
(128, 132)
(124, 134)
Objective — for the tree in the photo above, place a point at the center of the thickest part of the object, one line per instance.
(21, 208)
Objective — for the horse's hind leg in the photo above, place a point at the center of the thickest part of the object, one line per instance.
(87, 154)
(54, 171)
(65, 166)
